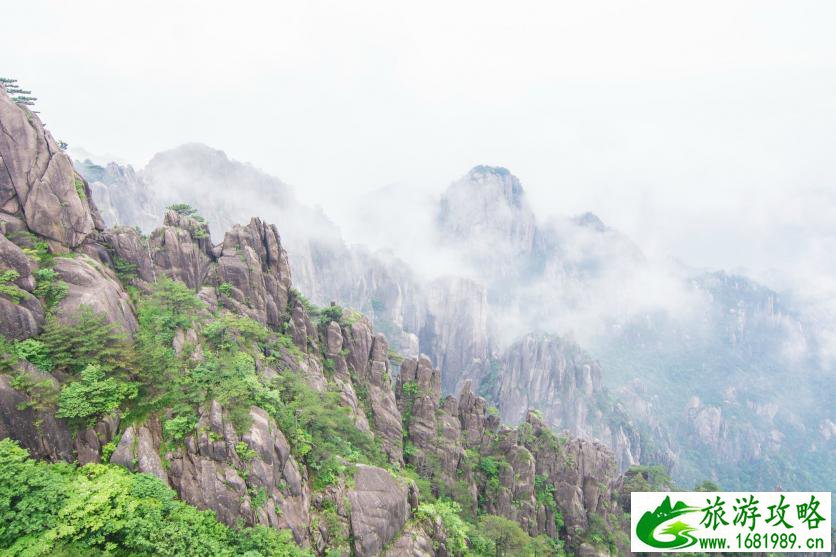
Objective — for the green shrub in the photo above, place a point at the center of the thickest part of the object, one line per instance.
(79, 188)
(224, 289)
(320, 430)
(507, 536)
(49, 288)
(94, 396)
(59, 509)
(244, 451)
(448, 513)
(35, 352)
(178, 428)
(125, 270)
(7, 287)
(88, 339)
(40, 252)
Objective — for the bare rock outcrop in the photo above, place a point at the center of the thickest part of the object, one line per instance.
(379, 509)
(253, 262)
(92, 284)
(181, 249)
(127, 246)
(21, 314)
(37, 180)
(367, 356)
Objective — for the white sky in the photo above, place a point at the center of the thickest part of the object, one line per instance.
(704, 130)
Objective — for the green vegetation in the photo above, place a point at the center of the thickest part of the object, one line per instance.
(125, 270)
(94, 396)
(219, 357)
(224, 289)
(79, 188)
(35, 352)
(647, 478)
(8, 287)
(18, 95)
(186, 210)
(88, 339)
(448, 514)
(321, 431)
(97, 509)
(244, 451)
(48, 288)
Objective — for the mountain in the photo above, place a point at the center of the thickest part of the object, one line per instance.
(147, 378)
(691, 363)
(448, 317)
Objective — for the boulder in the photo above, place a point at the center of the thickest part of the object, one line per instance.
(379, 509)
(92, 284)
(138, 451)
(37, 431)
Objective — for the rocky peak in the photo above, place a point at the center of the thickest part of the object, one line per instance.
(39, 190)
(591, 221)
(487, 206)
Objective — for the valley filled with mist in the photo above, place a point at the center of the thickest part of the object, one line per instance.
(665, 363)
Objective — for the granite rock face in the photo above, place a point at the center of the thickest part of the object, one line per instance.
(254, 263)
(21, 313)
(251, 475)
(181, 249)
(91, 284)
(379, 509)
(37, 181)
(445, 435)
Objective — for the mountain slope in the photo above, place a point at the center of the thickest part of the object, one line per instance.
(214, 375)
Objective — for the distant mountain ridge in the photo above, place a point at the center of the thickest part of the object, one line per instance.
(656, 329)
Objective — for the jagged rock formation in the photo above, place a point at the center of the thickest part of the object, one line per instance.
(252, 476)
(652, 327)
(21, 314)
(39, 190)
(525, 474)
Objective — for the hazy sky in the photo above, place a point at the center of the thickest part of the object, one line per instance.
(705, 130)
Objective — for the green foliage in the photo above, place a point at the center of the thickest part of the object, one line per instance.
(94, 396)
(707, 485)
(601, 534)
(125, 270)
(59, 509)
(177, 428)
(647, 478)
(35, 352)
(230, 332)
(170, 306)
(7, 287)
(224, 289)
(506, 535)
(319, 429)
(40, 252)
(49, 288)
(185, 210)
(244, 451)
(79, 188)
(544, 492)
(42, 393)
(489, 466)
(329, 314)
(448, 513)
(88, 339)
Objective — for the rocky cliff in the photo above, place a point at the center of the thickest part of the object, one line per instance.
(200, 364)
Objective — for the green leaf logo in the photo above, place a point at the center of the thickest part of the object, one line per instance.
(681, 532)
